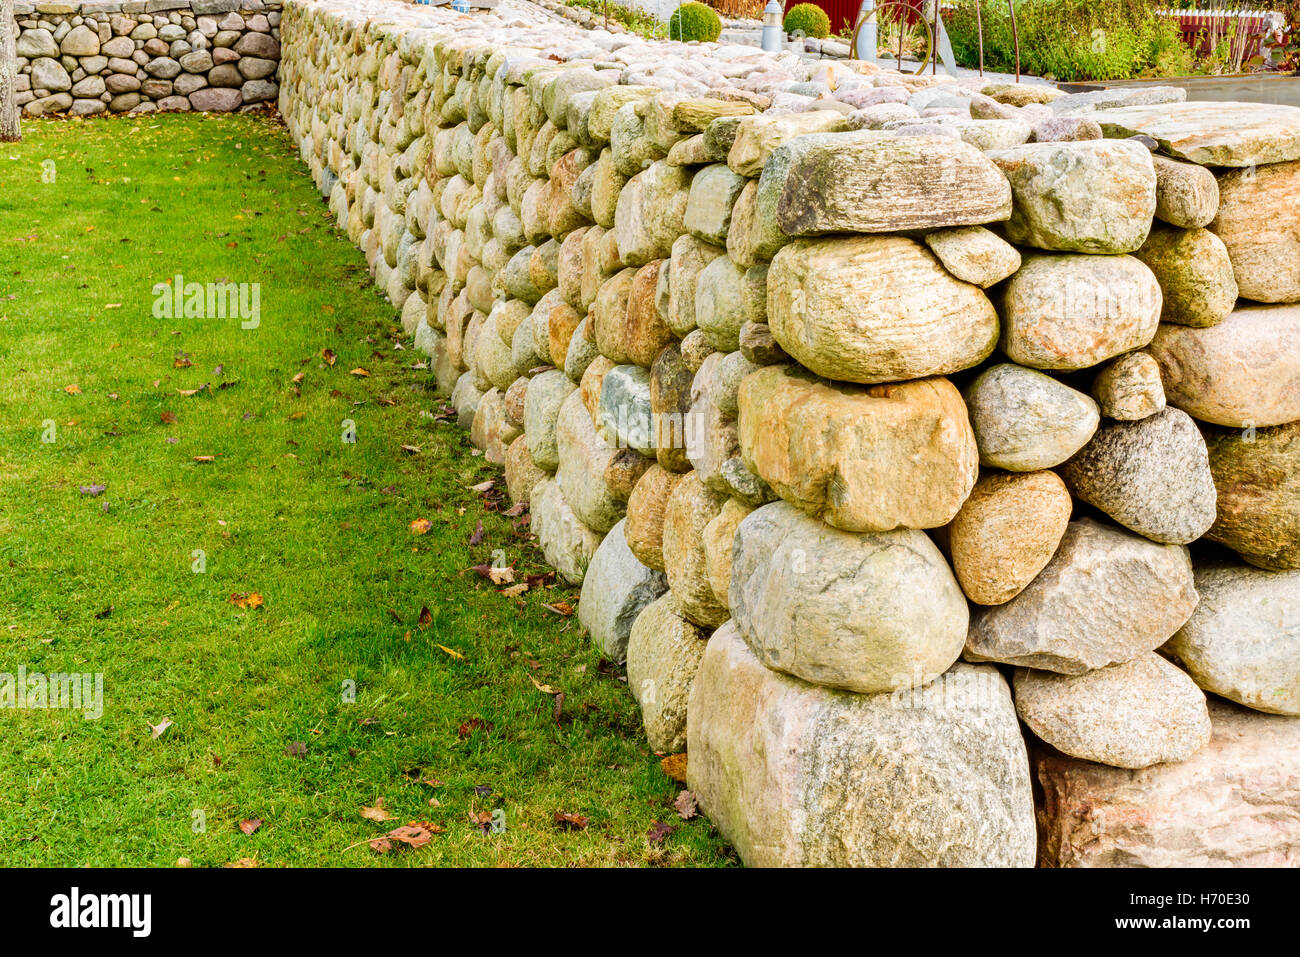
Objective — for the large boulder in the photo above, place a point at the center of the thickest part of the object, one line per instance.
(871, 181)
(863, 458)
(1106, 597)
(1197, 286)
(796, 775)
(1257, 476)
(1235, 803)
(566, 542)
(1152, 476)
(546, 394)
(615, 589)
(1025, 421)
(1211, 134)
(876, 309)
(1243, 640)
(1259, 223)
(1131, 715)
(650, 214)
(690, 508)
(1071, 312)
(1091, 196)
(584, 456)
(1243, 372)
(645, 515)
(664, 651)
(863, 611)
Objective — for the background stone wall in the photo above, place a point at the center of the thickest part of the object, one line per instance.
(930, 449)
(139, 56)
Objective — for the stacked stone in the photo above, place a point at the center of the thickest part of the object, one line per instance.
(141, 56)
(820, 379)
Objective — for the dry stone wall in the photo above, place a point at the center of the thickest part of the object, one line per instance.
(141, 56)
(929, 449)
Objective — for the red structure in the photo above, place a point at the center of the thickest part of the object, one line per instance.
(843, 13)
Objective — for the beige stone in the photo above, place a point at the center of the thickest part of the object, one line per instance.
(1259, 222)
(1197, 286)
(690, 508)
(719, 535)
(860, 458)
(875, 309)
(923, 779)
(1257, 476)
(1243, 372)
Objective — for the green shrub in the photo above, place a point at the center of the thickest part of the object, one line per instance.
(694, 21)
(1071, 40)
(808, 18)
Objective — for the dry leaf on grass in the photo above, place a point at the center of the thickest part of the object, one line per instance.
(686, 804)
(571, 822)
(250, 825)
(421, 526)
(157, 730)
(376, 813)
(544, 689)
(246, 600)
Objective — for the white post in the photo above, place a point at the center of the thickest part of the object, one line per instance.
(867, 35)
(773, 32)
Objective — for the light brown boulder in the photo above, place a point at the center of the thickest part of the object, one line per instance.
(522, 475)
(1187, 195)
(1071, 312)
(1211, 134)
(871, 181)
(1129, 388)
(651, 211)
(691, 507)
(1006, 533)
(1259, 222)
(719, 536)
(664, 651)
(645, 515)
(757, 136)
(1243, 372)
(974, 254)
(875, 309)
(861, 458)
(646, 332)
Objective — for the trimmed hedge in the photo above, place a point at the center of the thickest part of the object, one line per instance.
(808, 18)
(694, 21)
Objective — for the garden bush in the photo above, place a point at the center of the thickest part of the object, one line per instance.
(694, 21)
(1072, 39)
(809, 19)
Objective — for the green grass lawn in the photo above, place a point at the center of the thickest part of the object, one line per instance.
(448, 722)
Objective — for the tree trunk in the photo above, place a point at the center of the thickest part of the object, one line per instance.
(9, 131)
